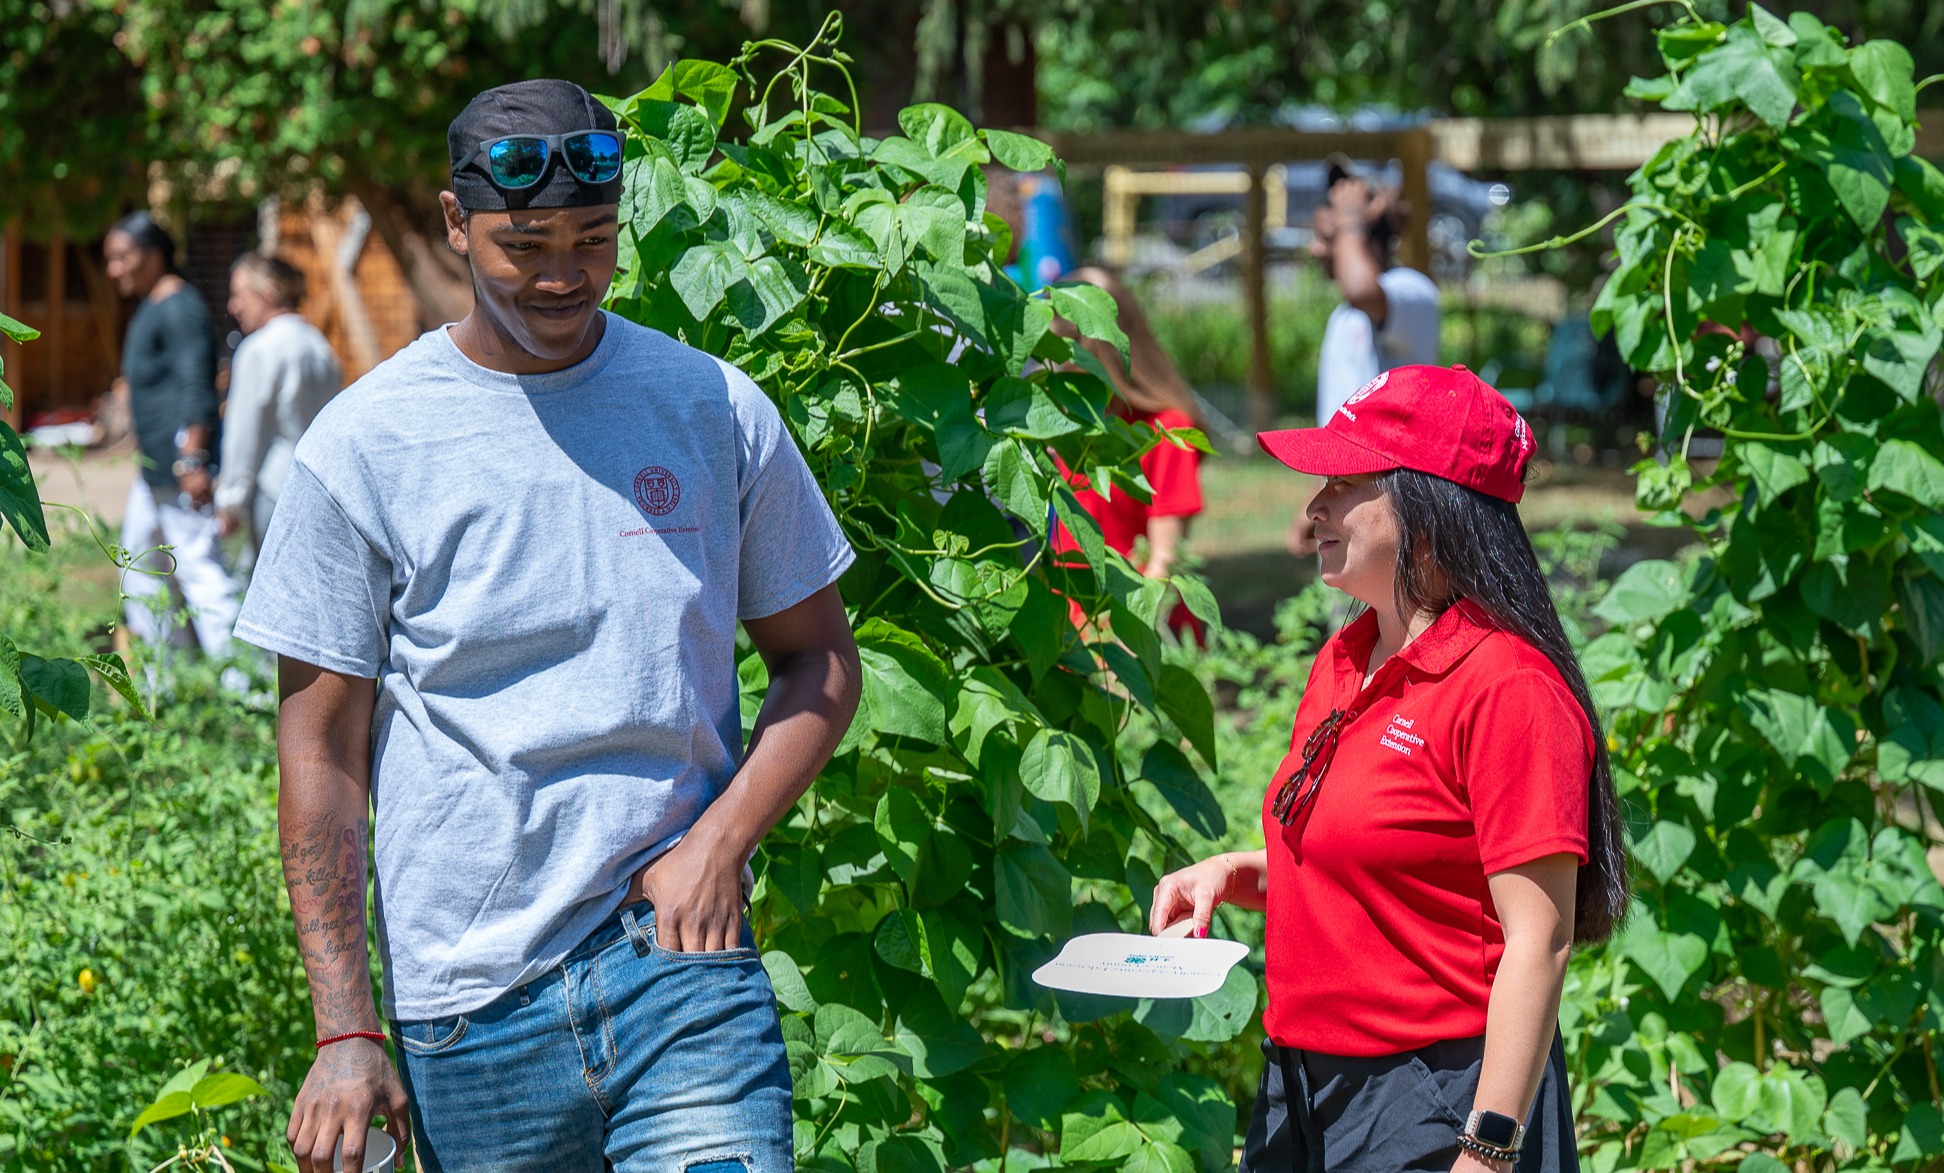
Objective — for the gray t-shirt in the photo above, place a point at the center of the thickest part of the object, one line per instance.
(544, 573)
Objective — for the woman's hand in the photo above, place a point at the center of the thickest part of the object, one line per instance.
(1193, 891)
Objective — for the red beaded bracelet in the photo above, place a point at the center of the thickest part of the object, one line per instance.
(375, 1036)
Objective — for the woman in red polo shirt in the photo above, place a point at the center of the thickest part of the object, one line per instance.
(1444, 828)
(1148, 390)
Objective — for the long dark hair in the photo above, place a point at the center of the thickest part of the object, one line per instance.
(1461, 544)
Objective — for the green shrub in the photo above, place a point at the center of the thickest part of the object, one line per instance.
(143, 856)
(985, 804)
(1775, 707)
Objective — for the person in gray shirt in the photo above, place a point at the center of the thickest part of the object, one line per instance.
(504, 582)
(283, 374)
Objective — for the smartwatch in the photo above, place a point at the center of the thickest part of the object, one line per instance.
(1495, 1129)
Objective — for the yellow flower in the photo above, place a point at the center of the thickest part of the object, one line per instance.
(87, 981)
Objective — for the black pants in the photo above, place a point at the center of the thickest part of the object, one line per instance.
(1326, 1114)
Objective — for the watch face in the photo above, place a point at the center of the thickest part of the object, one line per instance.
(1496, 1129)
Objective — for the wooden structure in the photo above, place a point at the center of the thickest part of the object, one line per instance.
(60, 288)
(356, 294)
(1618, 142)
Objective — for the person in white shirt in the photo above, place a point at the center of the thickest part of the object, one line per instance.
(282, 376)
(1389, 315)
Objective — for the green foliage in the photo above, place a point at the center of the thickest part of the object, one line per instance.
(31, 685)
(142, 914)
(984, 804)
(1775, 701)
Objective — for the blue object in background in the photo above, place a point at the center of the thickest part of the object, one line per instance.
(1046, 251)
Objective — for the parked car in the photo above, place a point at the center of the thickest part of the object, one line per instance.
(1459, 203)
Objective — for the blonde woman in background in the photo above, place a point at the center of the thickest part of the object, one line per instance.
(282, 376)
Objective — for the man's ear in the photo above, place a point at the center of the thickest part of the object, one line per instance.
(455, 222)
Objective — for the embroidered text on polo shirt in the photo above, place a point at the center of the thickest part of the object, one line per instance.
(1399, 736)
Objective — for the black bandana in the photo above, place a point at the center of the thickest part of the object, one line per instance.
(544, 106)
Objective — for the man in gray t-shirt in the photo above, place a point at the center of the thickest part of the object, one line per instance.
(537, 530)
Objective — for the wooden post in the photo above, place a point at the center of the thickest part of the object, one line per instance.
(10, 302)
(55, 332)
(1414, 155)
(1117, 217)
(1255, 293)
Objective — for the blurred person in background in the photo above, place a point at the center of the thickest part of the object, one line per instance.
(1148, 389)
(282, 376)
(169, 364)
(1389, 314)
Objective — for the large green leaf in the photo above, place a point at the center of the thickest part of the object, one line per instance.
(1669, 958)
(1035, 897)
(57, 686)
(1169, 771)
(1646, 590)
(704, 274)
(1092, 311)
(10, 695)
(906, 686)
(1186, 702)
(1809, 737)
(1905, 467)
(1743, 68)
(939, 1042)
(1059, 767)
(20, 502)
(1663, 848)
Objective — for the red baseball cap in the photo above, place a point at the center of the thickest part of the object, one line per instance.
(1440, 420)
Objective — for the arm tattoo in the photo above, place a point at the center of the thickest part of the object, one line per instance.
(324, 869)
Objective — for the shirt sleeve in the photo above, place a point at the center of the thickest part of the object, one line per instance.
(1526, 756)
(1411, 321)
(1174, 473)
(792, 546)
(321, 591)
(248, 425)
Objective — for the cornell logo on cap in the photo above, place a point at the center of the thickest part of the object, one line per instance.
(1364, 392)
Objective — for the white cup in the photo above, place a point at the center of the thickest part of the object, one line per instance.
(379, 1148)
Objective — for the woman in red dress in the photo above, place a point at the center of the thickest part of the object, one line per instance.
(1147, 390)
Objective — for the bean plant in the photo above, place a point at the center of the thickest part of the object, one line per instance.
(1775, 705)
(29, 684)
(985, 804)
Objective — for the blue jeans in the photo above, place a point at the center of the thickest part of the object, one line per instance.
(625, 1056)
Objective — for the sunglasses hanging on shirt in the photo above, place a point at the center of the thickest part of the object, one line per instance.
(519, 161)
(1300, 788)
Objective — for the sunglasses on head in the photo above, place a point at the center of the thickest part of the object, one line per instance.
(518, 161)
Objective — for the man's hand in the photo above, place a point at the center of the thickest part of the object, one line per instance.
(349, 1083)
(196, 482)
(696, 888)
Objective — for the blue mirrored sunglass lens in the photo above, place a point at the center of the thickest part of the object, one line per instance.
(517, 162)
(595, 158)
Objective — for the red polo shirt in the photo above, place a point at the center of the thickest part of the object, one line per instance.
(1172, 472)
(1464, 756)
